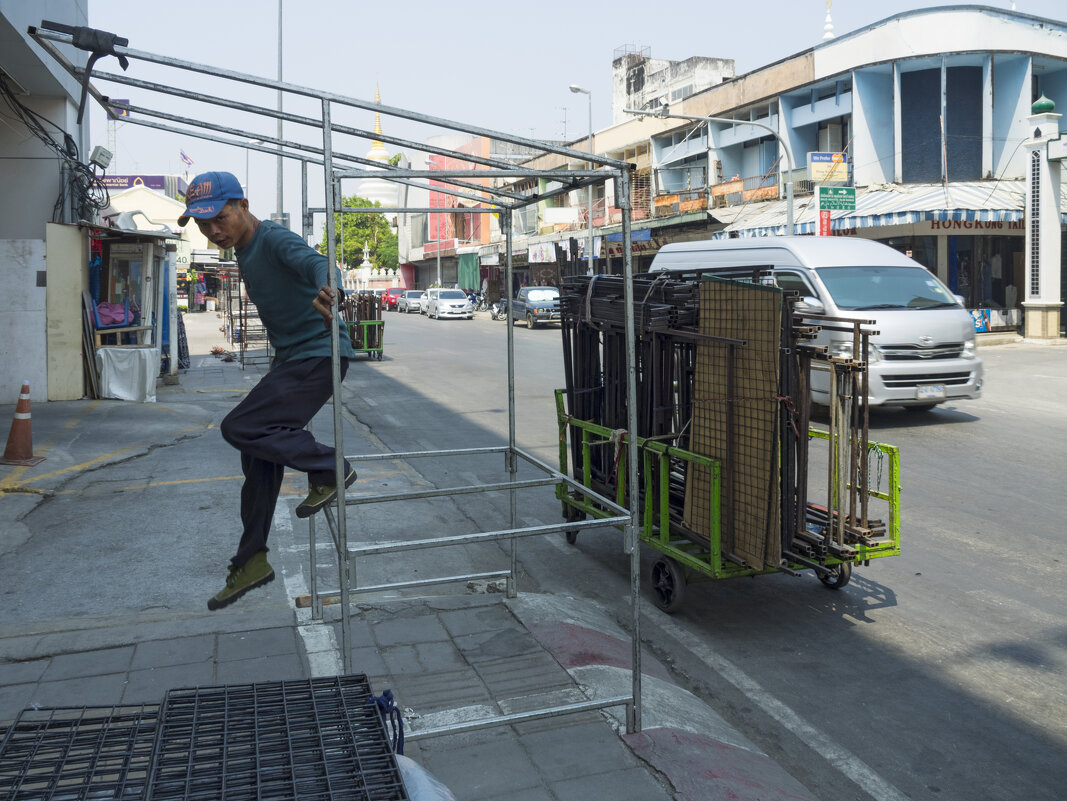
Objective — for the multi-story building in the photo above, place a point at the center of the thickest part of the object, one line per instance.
(926, 114)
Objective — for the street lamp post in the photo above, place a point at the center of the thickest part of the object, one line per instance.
(662, 113)
(279, 204)
(432, 165)
(248, 183)
(589, 245)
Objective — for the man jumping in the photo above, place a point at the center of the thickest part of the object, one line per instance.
(288, 282)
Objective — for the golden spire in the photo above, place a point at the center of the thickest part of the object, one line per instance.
(377, 119)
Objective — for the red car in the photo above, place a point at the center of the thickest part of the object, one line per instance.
(392, 297)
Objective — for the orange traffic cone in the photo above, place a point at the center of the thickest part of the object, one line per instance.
(19, 448)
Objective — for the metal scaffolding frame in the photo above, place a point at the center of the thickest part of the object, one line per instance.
(337, 166)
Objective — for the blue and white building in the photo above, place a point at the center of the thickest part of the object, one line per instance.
(926, 114)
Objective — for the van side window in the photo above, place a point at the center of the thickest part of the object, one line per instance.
(793, 282)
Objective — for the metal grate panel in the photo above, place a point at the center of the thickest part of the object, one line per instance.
(735, 417)
(311, 739)
(78, 753)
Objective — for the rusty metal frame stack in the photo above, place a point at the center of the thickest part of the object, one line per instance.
(494, 197)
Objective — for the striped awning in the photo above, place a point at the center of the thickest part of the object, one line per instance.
(884, 205)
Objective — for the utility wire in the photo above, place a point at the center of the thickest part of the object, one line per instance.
(81, 183)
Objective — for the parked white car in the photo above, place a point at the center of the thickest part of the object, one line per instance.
(448, 303)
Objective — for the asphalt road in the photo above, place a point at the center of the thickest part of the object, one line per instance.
(936, 674)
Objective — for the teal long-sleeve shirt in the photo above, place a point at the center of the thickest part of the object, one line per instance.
(282, 275)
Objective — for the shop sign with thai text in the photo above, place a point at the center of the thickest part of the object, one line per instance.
(832, 167)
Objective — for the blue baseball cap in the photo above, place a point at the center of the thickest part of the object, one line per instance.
(208, 193)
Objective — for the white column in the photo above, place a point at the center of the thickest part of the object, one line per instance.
(1041, 297)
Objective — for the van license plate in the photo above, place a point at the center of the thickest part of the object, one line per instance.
(930, 392)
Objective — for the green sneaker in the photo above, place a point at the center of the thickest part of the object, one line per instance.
(254, 573)
(322, 494)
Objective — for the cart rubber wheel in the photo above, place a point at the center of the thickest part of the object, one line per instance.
(572, 516)
(838, 577)
(668, 584)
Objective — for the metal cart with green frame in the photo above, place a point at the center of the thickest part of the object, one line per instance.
(684, 561)
(368, 336)
(858, 519)
(362, 313)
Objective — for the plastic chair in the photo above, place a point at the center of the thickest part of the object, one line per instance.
(126, 317)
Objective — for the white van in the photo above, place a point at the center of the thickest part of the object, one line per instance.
(924, 352)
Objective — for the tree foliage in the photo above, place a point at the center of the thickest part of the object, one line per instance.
(362, 229)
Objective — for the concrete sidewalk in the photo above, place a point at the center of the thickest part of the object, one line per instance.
(111, 546)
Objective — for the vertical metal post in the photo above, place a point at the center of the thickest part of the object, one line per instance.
(512, 460)
(831, 467)
(305, 216)
(172, 315)
(335, 359)
(633, 713)
(589, 247)
(313, 568)
(308, 220)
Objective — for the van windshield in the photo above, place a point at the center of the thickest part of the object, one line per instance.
(859, 288)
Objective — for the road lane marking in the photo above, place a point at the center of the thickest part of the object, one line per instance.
(320, 642)
(840, 757)
(13, 480)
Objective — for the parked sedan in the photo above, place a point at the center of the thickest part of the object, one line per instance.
(449, 303)
(410, 301)
(392, 297)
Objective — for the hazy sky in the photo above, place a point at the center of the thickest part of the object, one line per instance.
(502, 65)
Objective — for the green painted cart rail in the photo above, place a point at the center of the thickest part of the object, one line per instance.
(368, 336)
(703, 561)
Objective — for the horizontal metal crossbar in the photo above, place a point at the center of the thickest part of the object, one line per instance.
(495, 209)
(484, 536)
(264, 111)
(333, 597)
(555, 477)
(40, 35)
(489, 173)
(520, 717)
(445, 491)
(401, 455)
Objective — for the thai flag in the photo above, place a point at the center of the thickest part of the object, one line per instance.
(185, 159)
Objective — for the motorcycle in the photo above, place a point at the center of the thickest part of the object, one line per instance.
(478, 301)
(499, 310)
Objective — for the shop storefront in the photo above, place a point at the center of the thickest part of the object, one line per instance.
(982, 262)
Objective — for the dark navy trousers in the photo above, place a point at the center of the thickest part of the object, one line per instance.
(268, 428)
